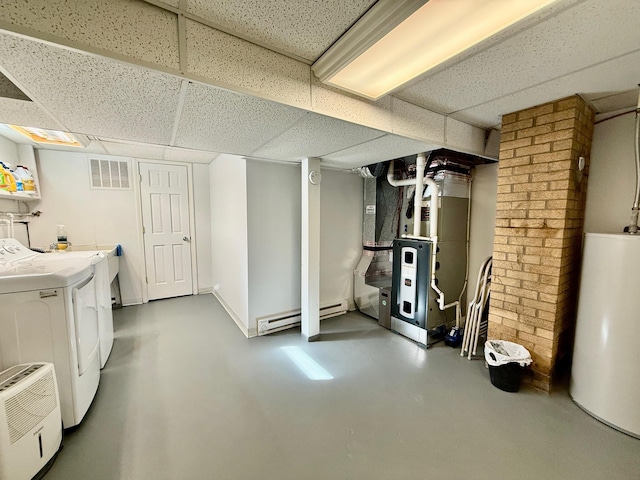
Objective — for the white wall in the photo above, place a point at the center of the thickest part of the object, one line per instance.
(341, 206)
(230, 263)
(612, 176)
(8, 153)
(202, 226)
(484, 192)
(91, 216)
(274, 224)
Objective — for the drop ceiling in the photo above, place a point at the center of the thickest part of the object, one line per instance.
(585, 47)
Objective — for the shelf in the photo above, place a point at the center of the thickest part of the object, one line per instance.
(21, 196)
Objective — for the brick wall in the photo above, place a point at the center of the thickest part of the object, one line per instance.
(538, 235)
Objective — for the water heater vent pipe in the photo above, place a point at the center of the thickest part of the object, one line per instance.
(635, 210)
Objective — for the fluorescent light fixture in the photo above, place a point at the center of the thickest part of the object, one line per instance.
(306, 364)
(49, 137)
(395, 41)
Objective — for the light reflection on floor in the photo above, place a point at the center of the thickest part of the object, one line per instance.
(306, 364)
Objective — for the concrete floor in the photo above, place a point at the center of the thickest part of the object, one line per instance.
(186, 396)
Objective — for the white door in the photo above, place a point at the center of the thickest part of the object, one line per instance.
(165, 218)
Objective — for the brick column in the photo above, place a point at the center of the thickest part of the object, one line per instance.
(539, 226)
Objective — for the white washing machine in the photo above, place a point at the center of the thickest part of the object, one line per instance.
(103, 296)
(48, 313)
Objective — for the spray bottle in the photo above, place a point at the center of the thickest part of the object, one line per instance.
(63, 241)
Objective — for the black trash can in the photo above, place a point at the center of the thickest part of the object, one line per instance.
(506, 361)
(506, 377)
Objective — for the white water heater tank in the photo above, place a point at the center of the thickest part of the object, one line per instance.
(605, 376)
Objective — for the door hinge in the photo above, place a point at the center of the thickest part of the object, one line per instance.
(139, 178)
(143, 231)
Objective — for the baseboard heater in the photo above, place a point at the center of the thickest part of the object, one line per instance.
(281, 321)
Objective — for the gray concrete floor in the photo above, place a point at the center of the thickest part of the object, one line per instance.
(186, 396)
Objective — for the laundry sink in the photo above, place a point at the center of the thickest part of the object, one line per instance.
(111, 251)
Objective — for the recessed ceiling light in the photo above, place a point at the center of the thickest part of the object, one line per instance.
(49, 137)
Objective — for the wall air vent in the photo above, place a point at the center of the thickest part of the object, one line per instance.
(112, 174)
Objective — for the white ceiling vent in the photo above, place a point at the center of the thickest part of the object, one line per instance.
(113, 174)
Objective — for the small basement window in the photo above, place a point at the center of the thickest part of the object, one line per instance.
(113, 174)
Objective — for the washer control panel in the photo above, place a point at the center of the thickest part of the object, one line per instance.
(12, 250)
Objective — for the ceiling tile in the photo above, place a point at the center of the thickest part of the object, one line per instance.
(136, 150)
(134, 29)
(305, 28)
(589, 82)
(315, 136)
(95, 146)
(464, 137)
(378, 150)
(230, 61)
(173, 154)
(417, 122)
(610, 102)
(352, 108)
(220, 121)
(584, 35)
(9, 90)
(25, 113)
(93, 95)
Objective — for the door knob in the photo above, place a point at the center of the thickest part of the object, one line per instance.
(186, 239)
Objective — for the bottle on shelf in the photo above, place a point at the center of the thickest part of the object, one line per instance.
(9, 181)
(27, 179)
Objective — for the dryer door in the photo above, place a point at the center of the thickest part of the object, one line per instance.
(85, 313)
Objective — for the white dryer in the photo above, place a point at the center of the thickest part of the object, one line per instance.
(103, 296)
(48, 313)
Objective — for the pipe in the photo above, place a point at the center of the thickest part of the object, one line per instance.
(11, 231)
(433, 222)
(433, 204)
(417, 196)
(466, 270)
(635, 210)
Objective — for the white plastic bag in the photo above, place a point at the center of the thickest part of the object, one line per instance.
(501, 352)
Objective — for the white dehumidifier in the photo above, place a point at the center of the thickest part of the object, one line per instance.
(30, 421)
